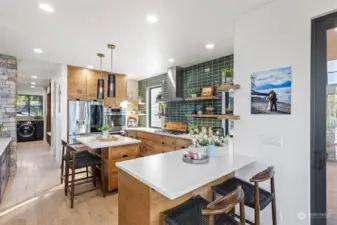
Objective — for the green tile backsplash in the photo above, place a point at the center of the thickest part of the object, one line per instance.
(197, 76)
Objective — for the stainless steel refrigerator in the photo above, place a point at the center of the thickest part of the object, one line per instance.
(85, 118)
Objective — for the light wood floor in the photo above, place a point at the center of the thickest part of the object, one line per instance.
(332, 192)
(37, 171)
(35, 197)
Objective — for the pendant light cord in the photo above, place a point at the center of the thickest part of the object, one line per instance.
(101, 67)
(111, 59)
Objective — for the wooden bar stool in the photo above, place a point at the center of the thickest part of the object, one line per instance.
(73, 163)
(80, 154)
(198, 211)
(255, 197)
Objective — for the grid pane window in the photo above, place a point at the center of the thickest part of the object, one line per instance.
(29, 105)
(155, 120)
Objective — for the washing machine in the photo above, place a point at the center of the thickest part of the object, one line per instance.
(26, 131)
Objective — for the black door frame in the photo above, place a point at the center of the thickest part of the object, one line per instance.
(318, 117)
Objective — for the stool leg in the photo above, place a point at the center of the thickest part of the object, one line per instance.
(257, 204)
(102, 176)
(87, 170)
(274, 215)
(93, 171)
(62, 170)
(73, 181)
(66, 177)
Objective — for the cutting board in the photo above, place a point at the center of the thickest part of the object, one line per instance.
(178, 126)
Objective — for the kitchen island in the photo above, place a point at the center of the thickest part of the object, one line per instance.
(112, 152)
(149, 186)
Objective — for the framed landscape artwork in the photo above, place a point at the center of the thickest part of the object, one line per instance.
(271, 91)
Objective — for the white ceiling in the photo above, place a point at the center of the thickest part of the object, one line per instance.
(78, 29)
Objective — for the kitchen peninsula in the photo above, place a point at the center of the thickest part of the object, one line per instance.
(112, 152)
(151, 185)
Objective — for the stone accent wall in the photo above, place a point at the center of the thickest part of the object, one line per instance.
(8, 76)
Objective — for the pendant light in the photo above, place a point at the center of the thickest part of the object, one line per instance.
(111, 76)
(100, 82)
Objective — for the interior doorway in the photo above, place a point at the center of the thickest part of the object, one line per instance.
(324, 121)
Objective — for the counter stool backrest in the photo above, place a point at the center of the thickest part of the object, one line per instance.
(224, 205)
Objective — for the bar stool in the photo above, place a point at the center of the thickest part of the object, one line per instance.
(73, 163)
(80, 154)
(198, 211)
(255, 197)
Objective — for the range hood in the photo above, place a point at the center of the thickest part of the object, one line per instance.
(175, 85)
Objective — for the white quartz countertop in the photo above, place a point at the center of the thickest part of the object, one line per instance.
(170, 176)
(93, 143)
(155, 131)
(4, 142)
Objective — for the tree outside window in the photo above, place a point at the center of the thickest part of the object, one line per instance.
(29, 105)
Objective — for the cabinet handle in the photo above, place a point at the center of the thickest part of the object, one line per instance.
(163, 143)
(124, 156)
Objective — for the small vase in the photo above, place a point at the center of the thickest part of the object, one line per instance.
(211, 150)
(194, 95)
(229, 79)
(105, 134)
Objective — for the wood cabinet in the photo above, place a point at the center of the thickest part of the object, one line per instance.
(114, 155)
(77, 83)
(4, 170)
(82, 84)
(155, 143)
(92, 80)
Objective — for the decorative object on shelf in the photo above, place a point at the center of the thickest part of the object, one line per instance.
(38, 117)
(229, 111)
(100, 82)
(194, 92)
(228, 74)
(105, 131)
(203, 98)
(134, 111)
(111, 76)
(210, 110)
(207, 91)
(159, 96)
(199, 109)
(162, 110)
(228, 87)
(1, 127)
(271, 91)
(140, 100)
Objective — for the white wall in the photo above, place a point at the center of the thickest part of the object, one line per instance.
(277, 35)
(59, 114)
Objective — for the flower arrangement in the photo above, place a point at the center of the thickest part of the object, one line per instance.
(104, 128)
(194, 92)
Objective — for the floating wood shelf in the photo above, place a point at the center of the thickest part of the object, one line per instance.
(202, 98)
(227, 87)
(220, 117)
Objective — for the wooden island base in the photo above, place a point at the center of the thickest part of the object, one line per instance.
(139, 204)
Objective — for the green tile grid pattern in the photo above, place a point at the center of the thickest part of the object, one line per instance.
(197, 76)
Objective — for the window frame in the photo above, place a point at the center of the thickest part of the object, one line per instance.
(150, 104)
(29, 105)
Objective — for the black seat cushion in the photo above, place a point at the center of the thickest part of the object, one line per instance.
(248, 188)
(86, 161)
(189, 213)
(80, 154)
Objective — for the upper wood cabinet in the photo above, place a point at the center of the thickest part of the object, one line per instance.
(77, 83)
(92, 80)
(82, 84)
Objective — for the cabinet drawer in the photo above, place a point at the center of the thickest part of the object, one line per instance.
(132, 134)
(125, 151)
(114, 168)
(143, 136)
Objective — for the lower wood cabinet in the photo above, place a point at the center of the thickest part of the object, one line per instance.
(4, 170)
(114, 155)
(156, 143)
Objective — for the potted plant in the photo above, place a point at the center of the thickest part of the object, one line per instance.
(105, 131)
(194, 92)
(209, 143)
(159, 96)
(1, 127)
(140, 100)
(134, 111)
(228, 74)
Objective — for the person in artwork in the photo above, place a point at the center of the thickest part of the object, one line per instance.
(273, 100)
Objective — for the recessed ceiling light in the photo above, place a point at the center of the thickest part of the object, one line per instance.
(171, 60)
(90, 67)
(32, 86)
(46, 7)
(34, 77)
(152, 19)
(37, 50)
(32, 83)
(209, 46)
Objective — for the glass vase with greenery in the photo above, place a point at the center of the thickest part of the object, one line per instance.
(228, 74)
